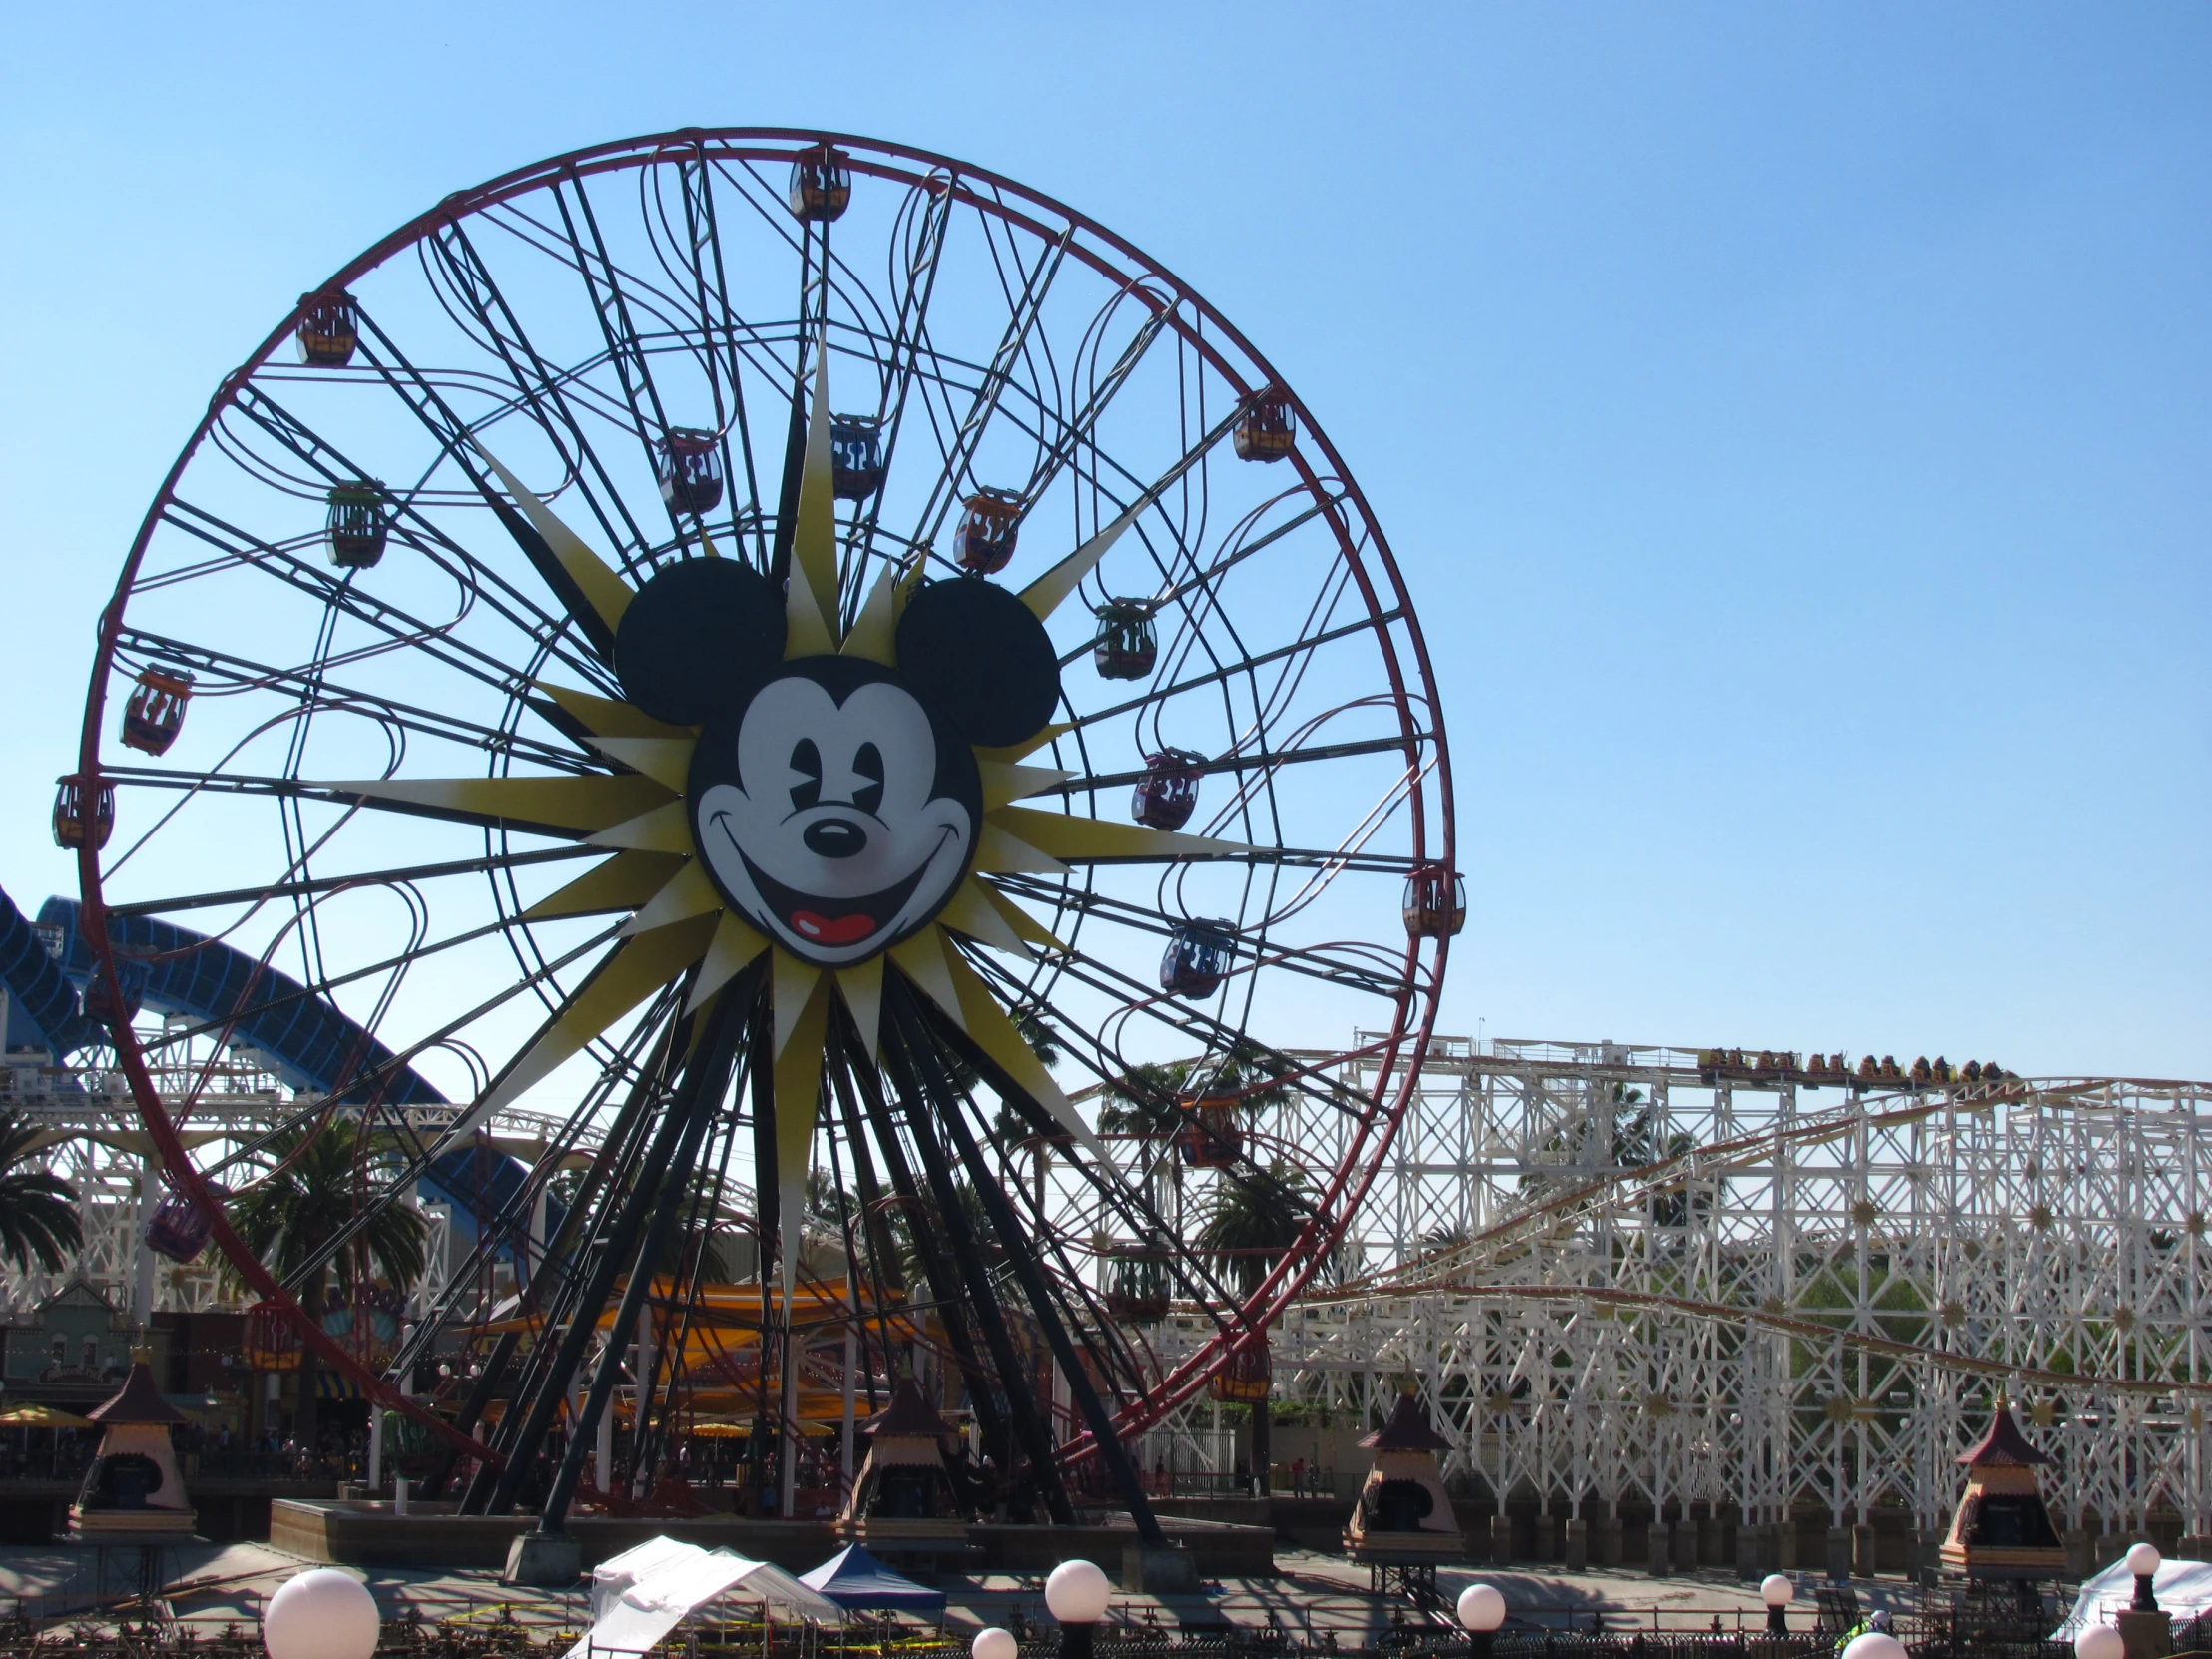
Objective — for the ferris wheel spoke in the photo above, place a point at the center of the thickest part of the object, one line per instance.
(724, 329)
(624, 350)
(1377, 624)
(543, 388)
(1081, 428)
(1024, 310)
(369, 878)
(313, 683)
(900, 364)
(399, 628)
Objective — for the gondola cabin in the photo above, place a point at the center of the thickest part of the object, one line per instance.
(1128, 643)
(1268, 429)
(989, 524)
(691, 471)
(822, 184)
(84, 814)
(178, 1229)
(1436, 902)
(1137, 1285)
(273, 1341)
(356, 526)
(155, 711)
(2002, 1530)
(1167, 794)
(1198, 958)
(1246, 1378)
(855, 456)
(1403, 1517)
(904, 1499)
(1209, 1137)
(329, 329)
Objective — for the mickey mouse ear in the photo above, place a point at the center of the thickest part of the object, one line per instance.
(981, 659)
(696, 633)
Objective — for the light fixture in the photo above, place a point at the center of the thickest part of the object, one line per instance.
(2099, 1641)
(320, 1614)
(1481, 1611)
(1076, 1594)
(2142, 1562)
(1776, 1591)
(994, 1643)
(1874, 1644)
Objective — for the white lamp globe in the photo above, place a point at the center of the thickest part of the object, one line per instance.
(320, 1614)
(1874, 1645)
(1077, 1593)
(1776, 1590)
(1481, 1607)
(994, 1643)
(2099, 1641)
(2143, 1559)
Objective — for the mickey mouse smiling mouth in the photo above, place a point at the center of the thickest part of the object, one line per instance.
(828, 924)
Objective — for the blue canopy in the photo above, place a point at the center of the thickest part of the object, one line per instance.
(855, 1578)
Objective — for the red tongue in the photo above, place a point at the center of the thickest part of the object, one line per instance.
(844, 930)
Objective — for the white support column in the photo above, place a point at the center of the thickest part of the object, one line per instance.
(141, 1254)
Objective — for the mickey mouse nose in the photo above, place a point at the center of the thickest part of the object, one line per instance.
(835, 838)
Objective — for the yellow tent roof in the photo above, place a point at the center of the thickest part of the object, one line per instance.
(41, 1416)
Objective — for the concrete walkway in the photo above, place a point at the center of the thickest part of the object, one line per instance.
(1312, 1594)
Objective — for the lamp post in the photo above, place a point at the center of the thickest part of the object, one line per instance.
(1776, 1591)
(2099, 1641)
(1481, 1610)
(994, 1643)
(1076, 1594)
(2142, 1562)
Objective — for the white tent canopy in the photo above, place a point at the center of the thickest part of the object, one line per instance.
(2183, 1589)
(642, 1594)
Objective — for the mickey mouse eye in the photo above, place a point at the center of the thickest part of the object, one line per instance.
(807, 761)
(869, 763)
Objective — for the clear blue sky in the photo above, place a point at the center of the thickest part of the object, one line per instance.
(1793, 420)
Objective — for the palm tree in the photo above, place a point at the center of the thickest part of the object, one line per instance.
(1250, 1223)
(322, 1175)
(38, 1209)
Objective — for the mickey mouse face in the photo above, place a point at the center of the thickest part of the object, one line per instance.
(835, 802)
(833, 810)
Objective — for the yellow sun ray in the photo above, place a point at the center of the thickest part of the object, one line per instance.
(861, 986)
(602, 587)
(595, 802)
(1091, 840)
(608, 718)
(972, 913)
(875, 630)
(633, 971)
(814, 536)
(793, 982)
(1043, 596)
(798, 1081)
(667, 760)
(666, 829)
(733, 946)
(685, 894)
(999, 854)
(996, 1035)
(1003, 782)
(1020, 920)
(622, 883)
(922, 958)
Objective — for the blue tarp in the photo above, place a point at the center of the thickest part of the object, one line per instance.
(852, 1578)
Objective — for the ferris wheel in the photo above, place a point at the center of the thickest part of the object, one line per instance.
(792, 659)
